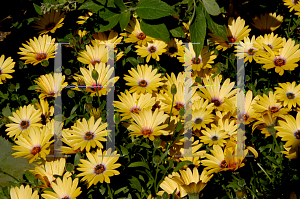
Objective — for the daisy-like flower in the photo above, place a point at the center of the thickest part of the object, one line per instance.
(82, 19)
(63, 189)
(236, 32)
(23, 192)
(49, 22)
(135, 34)
(104, 81)
(286, 59)
(6, 67)
(133, 103)
(143, 80)
(289, 131)
(45, 173)
(291, 4)
(24, 119)
(265, 104)
(34, 144)
(250, 114)
(288, 94)
(70, 148)
(247, 50)
(46, 111)
(291, 152)
(50, 86)
(224, 98)
(202, 113)
(204, 59)
(193, 183)
(38, 50)
(101, 38)
(229, 127)
(148, 124)
(99, 167)
(93, 54)
(95, 112)
(168, 185)
(267, 22)
(153, 49)
(214, 136)
(266, 121)
(88, 134)
(175, 48)
(274, 43)
(192, 154)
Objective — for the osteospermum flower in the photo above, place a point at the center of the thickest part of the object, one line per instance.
(286, 59)
(175, 48)
(148, 124)
(288, 94)
(133, 103)
(267, 22)
(93, 54)
(192, 183)
(99, 166)
(135, 34)
(214, 136)
(249, 113)
(63, 189)
(6, 67)
(202, 113)
(247, 50)
(236, 32)
(38, 50)
(204, 59)
(24, 119)
(49, 22)
(46, 111)
(23, 192)
(88, 134)
(101, 38)
(50, 86)
(45, 172)
(168, 185)
(264, 122)
(34, 144)
(274, 43)
(153, 50)
(143, 80)
(291, 4)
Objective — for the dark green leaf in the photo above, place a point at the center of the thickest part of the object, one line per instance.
(144, 144)
(124, 151)
(90, 5)
(135, 184)
(181, 164)
(37, 9)
(69, 167)
(164, 155)
(119, 190)
(74, 109)
(29, 176)
(157, 31)
(139, 164)
(211, 7)
(165, 195)
(77, 159)
(124, 20)
(80, 1)
(216, 26)
(6, 111)
(153, 9)
(132, 60)
(110, 19)
(177, 32)
(120, 5)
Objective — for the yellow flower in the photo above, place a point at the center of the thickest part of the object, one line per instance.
(273, 42)
(202, 113)
(23, 192)
(6, 66)
(82, 19)
(93, 54)
(292, 4)
(95, 112)
(250, 114)
(101, 38)
(214, 136)
(247, 50)
(38, 50)
(49, 22)
(267, 22)
(169, 185)
(153, 50)
(46, 111)
(175, 48)
(289, 94)
(99, 167)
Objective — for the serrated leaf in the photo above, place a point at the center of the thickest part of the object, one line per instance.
(153, 9)
(157, 31)
(90, 5)
(181, 164)
(211, 7)
(108, 16)
(139, 164)
(177, 32)
(37, 9)
(124, 20)
(198, 31)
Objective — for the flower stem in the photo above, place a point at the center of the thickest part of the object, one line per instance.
(171, 109)
(156, 179)
(193, 195)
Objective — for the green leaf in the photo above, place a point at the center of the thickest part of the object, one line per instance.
(164, 155)
(108, 16)
(139, 164)
(70, 167)
(80, 1)
(216, 27)
(198, 34)
(37, 9)
(124, 20)
(74, 109)
(135, 183)
(120, 5)
(144, 144)
(211, 7)
(153, 9)
(181, 164)
(177, 32)
(124, 150)
(90, 5)
(179, 126)
(165, 195)
(6, 111)
(132, 60)
(29, 176)
(31, 88)
(77, 158)
(119, 190)
(157, 31)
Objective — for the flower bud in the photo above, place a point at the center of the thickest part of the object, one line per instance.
(68, 71)
(87, 106)
(95, 75)
(96, 113)
(173, 89)
(156, 142)
(81, 84)
(156, 159)
(71, 93)
(117, 118)
(45, 63)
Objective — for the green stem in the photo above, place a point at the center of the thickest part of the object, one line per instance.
(264, 172)
(109, 191)
(98, 96)
(253, 194)
(1, 171)
(253, 173)
(171, 109)
(156, 179)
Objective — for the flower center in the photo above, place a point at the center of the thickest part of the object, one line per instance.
(198, 121)
(172, 50)
(24, 124)
(297, 134)
(41, 56)
(152, 49)
(98, 169)
(231, 39)
(95, 61)
(135, 110)
(216, 102)
(214, 138)
(290, 95)
(279, 61)
(141, 36)
(35, 150)
(251, 51)
(50, 26)
(223, 164)
(143, 83)
(194, 61)
(147, 131)
(178, 106)
(89, 135)
(274, 109)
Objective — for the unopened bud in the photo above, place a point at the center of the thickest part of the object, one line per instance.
(71, 93)
(88, 106)
(95, 75)
(156, 159)
(45, 63)
(173, 89)
(95, 112)
(68, 71)
(81, 84)
(117, 118)
(181, 112)
(156, 142)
